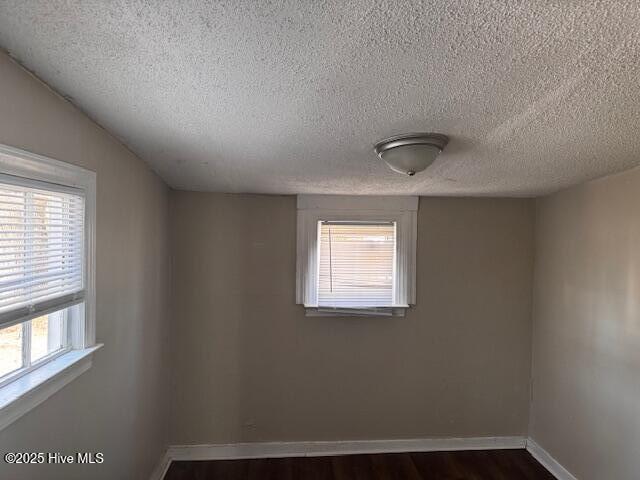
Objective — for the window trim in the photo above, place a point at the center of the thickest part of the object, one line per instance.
(16, 374)
(67, 346)
(315, 208)
(29, 391)
(32, 387)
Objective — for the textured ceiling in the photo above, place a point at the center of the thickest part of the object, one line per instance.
(290, 96)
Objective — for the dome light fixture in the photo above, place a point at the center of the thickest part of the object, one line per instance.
(411, 153)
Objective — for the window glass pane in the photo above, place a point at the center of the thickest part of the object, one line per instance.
(10, 349)
(356, 264)
(47, 335)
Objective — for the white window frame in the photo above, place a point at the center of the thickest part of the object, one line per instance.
(67, 345)
(30, 388)
(316, 208)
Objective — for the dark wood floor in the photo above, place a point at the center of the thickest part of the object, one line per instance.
(471, 465)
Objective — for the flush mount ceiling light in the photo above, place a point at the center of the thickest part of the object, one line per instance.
(412, 152)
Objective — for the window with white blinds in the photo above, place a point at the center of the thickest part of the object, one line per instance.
(47, 278)
(356, 263)
(41, 248)
(356, 255)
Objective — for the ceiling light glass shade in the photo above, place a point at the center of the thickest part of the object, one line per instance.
(411, 153)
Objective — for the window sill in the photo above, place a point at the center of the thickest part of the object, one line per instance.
(30, 390)
(397, 311)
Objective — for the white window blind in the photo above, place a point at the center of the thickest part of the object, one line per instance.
(356, 264)
(41, 248)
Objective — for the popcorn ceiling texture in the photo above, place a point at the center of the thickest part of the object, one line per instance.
(290, 96)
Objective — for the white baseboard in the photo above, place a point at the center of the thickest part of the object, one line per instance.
(550, 463)
(162, 467)
(349, 447)
(352, 447)
(319, 449)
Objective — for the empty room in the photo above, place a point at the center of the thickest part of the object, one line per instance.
(324, 240)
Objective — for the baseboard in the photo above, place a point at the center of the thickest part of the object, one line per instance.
(550, 463)
(162, 467)
(317, 449)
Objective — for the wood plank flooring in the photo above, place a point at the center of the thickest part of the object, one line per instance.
(469, 465)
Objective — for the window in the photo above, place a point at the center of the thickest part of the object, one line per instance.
(356, 264)
(26, 345)
(47, 211)
(356, 255)
(41, 270)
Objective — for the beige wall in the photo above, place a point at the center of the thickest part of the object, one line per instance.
(586, 342)
(249, 366)
(119, 407)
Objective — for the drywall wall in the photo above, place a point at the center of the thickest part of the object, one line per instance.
(119, 407)
(586, 340)
(249, 366)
